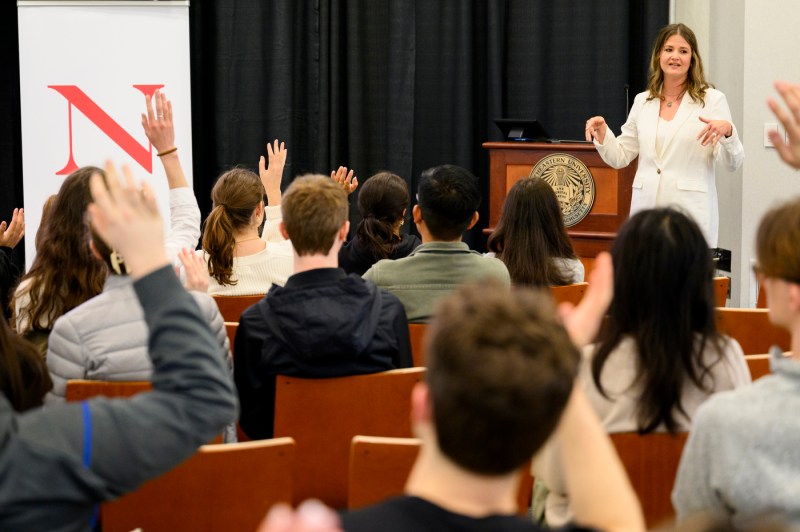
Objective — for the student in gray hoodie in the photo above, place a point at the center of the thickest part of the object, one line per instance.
(57, 463)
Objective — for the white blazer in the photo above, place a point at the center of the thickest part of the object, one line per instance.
(684, 174)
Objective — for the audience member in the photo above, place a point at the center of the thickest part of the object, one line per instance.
(323, 323)
(382, 203)
(24, 379)
(240, 260)
(659, 355)
(57, 463)
(501, 373)
(10, 235)
(105, 338)
(788, 149)
(531, 239)
(447, 203)
(741, 459)
(64, 273)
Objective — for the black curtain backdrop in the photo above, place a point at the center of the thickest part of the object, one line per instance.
(397, 85)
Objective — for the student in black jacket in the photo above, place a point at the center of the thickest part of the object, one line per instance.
(323, 323)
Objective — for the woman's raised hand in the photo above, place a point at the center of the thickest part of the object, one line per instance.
(157, 124)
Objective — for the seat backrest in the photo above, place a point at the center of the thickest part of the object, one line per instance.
(231, 307)
(761, 300)
(721, 286)
(79, 390)
(572, 293)
(416, 332)
(758, 365)
(222, 487)
(323, 415)
(651, 462)
(231, 327)
(752, 329)
(379, 469)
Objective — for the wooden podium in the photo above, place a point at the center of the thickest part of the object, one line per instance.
(512, 161)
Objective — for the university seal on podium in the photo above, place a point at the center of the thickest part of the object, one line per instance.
(572, 182)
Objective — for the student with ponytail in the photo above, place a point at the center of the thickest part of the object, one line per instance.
(382, 203)
(240, 261)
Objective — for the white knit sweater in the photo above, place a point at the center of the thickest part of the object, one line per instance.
(255, 274)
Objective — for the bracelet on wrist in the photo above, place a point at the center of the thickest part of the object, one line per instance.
(167, 152)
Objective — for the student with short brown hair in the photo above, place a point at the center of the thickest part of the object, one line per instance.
(499, 383)
(323, 322)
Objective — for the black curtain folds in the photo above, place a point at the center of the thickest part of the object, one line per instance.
(397, 85)
(402, 85)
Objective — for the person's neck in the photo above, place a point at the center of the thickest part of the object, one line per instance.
(247, 242)
(438, 480)
(314, 262)
(673, 87)
(427, 238)
(795, 341)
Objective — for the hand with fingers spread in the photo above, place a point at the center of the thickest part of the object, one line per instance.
(127, 219)
(272, 175)
(196, 270)
(157, 123)
(789, 150)
(12, 233)
(345, 179)
(596, 128)
(714, 131)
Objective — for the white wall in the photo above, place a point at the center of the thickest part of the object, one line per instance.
(750, 43)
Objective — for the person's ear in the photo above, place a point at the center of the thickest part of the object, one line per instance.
(416, 213)
(474, 220)
(94, 250)
(282, 229)
(344, 230)
(794, 297)
(421, 411)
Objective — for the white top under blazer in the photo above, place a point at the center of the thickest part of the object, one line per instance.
(683, 175)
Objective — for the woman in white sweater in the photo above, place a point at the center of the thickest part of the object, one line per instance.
(659, 355)
(240, 261)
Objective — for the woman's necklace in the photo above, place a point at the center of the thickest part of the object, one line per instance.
(246, 239)
(674, 99)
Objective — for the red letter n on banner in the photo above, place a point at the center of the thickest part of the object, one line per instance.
(78, 99)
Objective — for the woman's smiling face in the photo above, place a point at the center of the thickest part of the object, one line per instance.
(676, 57)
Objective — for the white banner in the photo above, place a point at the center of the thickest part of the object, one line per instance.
(84, 71)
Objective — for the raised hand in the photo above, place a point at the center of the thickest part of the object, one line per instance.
(345, 179)
(714, 130)
(596, 128)
(583, 321)
(12, 233)
(310, 516)
(789, 150)
(196, 270)
(127, 219)
(272, 175)
(158, 125)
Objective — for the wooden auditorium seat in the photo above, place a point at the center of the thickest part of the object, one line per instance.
(752, 329)
(572, 293)
(79, 390)
(323, 416)
(222, 487)
(721, 286)
(416, 332)
(651, 462)
(758, 365)
(231, 327)
(379, 469)
(231, 307)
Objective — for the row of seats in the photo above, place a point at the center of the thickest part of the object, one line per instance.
(325, 457)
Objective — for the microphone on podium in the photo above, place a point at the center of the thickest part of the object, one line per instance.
(627, 100)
